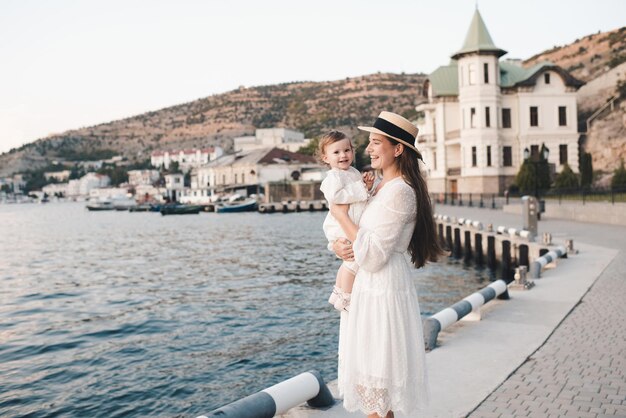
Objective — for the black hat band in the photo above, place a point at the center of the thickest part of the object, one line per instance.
(393, 130)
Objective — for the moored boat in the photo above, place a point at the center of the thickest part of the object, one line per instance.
(144, 207)
(178, 209)
(246, 205)
(100, 206)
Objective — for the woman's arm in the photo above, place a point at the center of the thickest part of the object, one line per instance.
(340, 213)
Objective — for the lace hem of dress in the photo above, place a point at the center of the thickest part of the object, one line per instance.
(371, 399)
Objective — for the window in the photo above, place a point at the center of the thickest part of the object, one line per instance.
(534, 116)
(562, 116)
(488, 155)
(473, 156)
(563, 154)
(506, 117)
(507, 157)
(487, 118)
(243, 178)
(235, 178)
(223, 178)
(434, 160)
(472, 74)
(546, 78)
(473, 117)
(486, 72)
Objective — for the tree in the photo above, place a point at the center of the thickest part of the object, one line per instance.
(174, 168)
(566, 179)
(533, 175)
(118, 175)
(619, 177)
(76, 172)
(586, 169)
(360, 159)
(310, 148)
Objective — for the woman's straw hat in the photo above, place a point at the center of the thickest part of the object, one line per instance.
(396, 127)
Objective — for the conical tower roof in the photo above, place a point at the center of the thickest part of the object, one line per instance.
(478, 40)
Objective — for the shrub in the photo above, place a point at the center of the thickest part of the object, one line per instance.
(566, 179)
(619, 177)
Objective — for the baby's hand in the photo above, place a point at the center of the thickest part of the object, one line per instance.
(368, 179)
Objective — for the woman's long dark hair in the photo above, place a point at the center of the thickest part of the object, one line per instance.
(424, 245)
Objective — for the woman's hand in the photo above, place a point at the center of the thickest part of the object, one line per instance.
(368, 179)
(339, 211)
(343, 248)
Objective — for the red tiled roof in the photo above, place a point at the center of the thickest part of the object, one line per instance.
(287, 156)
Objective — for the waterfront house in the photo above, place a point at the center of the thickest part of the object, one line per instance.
(246, 173)
(174, 185)
(481, 114)
(92, 181)
(58, 189)
(57, 175)
(282, 138)
(142, 177)
(186, 159)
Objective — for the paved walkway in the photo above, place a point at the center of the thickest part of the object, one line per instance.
(581, 369)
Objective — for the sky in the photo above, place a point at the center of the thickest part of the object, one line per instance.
(67, 64)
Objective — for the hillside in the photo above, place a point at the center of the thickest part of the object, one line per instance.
(315, 107)
(311, 107)
(589, 57)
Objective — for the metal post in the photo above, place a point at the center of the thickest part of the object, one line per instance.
(491, 252)
(478, 245)
(457, 243)
(523, 255)
(468, 246)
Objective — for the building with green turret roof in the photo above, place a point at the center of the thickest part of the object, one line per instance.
(482, 113)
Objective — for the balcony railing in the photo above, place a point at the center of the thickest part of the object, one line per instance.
(425, 138)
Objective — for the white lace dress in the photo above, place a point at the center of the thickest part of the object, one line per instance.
(381, 345)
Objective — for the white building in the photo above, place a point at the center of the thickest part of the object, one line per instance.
(186, 159)
(282, 138)
(246, 172)
(55, 189)
(142, 177)
(482, 113)
(92, 181)
(57, 175)
(109, 193)
(16, 183)
(174, 185)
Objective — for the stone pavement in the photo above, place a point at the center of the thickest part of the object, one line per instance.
(581, 370)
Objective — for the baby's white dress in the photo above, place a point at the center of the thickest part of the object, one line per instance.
(382, 363)
(343, 187)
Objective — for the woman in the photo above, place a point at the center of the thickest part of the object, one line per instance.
(381, 345)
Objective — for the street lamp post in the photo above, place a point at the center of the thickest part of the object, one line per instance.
(545, 153)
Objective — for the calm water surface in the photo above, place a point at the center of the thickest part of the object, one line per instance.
(118, 314)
